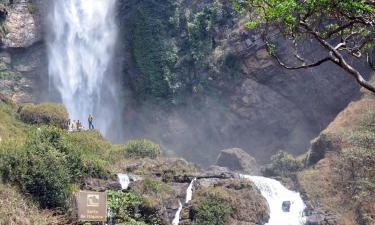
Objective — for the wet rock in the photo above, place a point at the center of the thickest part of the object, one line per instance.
(93, 184)
(286, 206)
(22, 28)
(169, 169)
(238, 160)
(320, 219)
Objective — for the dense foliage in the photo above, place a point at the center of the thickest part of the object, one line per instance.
(124, 207)
(171, 45)
(142, 148)
(47, 164)
(282, 164)
(213, 210)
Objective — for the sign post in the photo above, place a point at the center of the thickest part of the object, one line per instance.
(92, 206)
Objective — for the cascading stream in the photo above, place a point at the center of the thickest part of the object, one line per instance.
(81, 46)
(275, 194)
(189, 194)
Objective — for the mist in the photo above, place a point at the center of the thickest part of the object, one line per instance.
(81, 42)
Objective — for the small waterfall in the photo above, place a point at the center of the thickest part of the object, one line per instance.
(275, 194)
(176, 219)
(81, 45)
(189, 191)
(189, 194)
(124, 180)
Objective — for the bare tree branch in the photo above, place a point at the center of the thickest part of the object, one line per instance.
(339, 59)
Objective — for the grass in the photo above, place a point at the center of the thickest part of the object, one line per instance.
(16, 209)
(10, 127)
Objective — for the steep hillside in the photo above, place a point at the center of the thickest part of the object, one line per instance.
(340, 182)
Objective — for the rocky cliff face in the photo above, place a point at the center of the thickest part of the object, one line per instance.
(23, 59)
(256, 105)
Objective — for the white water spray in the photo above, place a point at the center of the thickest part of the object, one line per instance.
(80, 49)
(176, 219)
(275, 193)
(189, 194)
(189, 191)
(124, 180)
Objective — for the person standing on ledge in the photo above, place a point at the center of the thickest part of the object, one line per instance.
(90, 119)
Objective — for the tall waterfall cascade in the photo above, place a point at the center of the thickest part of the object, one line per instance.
(81, 46)
(275, 194)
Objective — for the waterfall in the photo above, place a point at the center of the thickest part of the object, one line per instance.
(275, 194)
(81, 46)
(189, 194)
(176, 219)
(124, 180)
(189, 191)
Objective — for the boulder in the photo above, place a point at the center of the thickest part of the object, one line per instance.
(238, 160)
(321, 145)
(286, 206)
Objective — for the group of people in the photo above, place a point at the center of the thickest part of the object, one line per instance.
(77, 125)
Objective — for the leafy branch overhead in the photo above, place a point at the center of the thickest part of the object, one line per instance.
(344, 29)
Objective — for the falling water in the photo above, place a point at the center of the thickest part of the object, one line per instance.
(176, 219)
(189, 194)
(124, 180)
(189, 191)
(81, 47)
(275, 193)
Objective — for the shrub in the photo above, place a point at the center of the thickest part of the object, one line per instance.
(142, 148)
(38, 168)
(213, 210)
(282, 164)
(46, 113)
(46, 165)
(124, 207)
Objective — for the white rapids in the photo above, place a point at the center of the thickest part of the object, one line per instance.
(189, 194)
(275, 193)
(81, 46)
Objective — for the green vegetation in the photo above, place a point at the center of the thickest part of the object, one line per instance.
(171, 48)
(339, 27)
(213, 210)
(282, 164)
(124, 207)
(46, 165)
(8, 75)
(142, 148)
(46, 113)
(9, 125)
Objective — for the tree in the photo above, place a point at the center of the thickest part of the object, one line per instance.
(342, 28)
